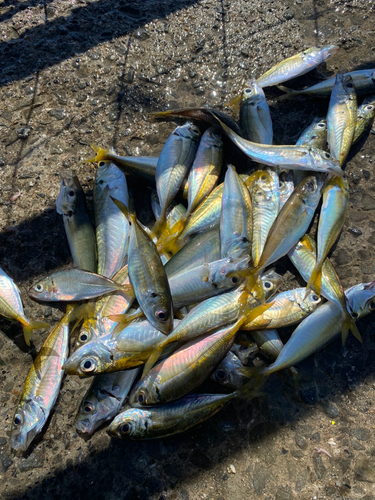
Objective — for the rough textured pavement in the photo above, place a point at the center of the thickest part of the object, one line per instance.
(74, 72)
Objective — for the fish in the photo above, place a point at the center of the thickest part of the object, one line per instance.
(303, 256)
(255, 116)
(104, 399)
(296, 65)
(142, 167)
(41, 388)
(174, 163)
(331, 221)
(228, 372)
(11, 307)
(319, 329)
(315, 135)
(236, 223)
(147, 276)
(288, 308)
(75, 284)
(363, 80)
(129, 349)
(365, 118)
(71, 204)
(290, 157)
(341, 117)
(112, 228)
(264, 190)
(178, 416)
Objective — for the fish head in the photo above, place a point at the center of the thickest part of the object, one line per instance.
(212, 138)
(311, 301)
(311, 188)
(86, 333)
(188, 131)
(219, 277)
(316, 55)
(44, 289)
(324, 162)
(271, 281)
(27, 423)
(368, 107)
(70, 191)
(89, 360)
(130, 423)
(252, 93)
(348, 89)
(143, 392)
(161, 311)
(228, 374)
(96, 408)
(361, 299)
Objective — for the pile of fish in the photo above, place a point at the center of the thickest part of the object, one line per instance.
(158, 311)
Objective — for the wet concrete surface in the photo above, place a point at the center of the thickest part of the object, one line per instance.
(74, 72)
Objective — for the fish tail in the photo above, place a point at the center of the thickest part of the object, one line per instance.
(315, 281)
(255, 312)
(30, 326)
(124, 209)
(251, 389)
(234, 103)
(258, 290)
(348, 324)
(127, 290)
(153, 358)
(297, 376)
(101, 155)
(159, 227)
(253, 371)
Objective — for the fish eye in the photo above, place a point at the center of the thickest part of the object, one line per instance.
(125, 428)
(216, 134)
(234, 280)
(17, 420)
(161, 314)
(350, 85)
(38, 287)
(267, 285)
(83, 337)
(141, 397)
(369, 107)
(101, 164)
(327, 155)
(263, 177)
(371, 305)
(315, 298)
(321, 125)
(354, 314)
(71, 193)
(248, 91)
(221, 375)
(87, 365)
(88, 408)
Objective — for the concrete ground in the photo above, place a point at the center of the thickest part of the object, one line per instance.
(74, 72)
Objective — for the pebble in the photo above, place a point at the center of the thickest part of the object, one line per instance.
(58, 113)
(357, 177)
(364, 469)
(361, 433)
(368, 202)
(300, 442)
(284, 493)
(23, 132)
(5, 460)
(342, 257)
(231, 469)
(319, 467)
(260, 477)
(2, 162)
(355, 231)
(330, 410)
(29, 463)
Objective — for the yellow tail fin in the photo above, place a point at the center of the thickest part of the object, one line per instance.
(153, 358)
(348, 324)
(315, 281)
(30, 326)
(101, 155)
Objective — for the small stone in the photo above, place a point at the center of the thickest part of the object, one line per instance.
(130, 76)
(142, 34)
(243, 65)
(343, 257)
(356, 445)
(368, 202)
(300, 442)
(31, 462)
(330, 410)
(23, 132)
(5, 460)
(361, 433)
(2, 162)
(93, 55)
(319, 467)
(284, 493)
(260, 477)
(364, 255)
(296, 453)
(371, 240)
(289, 14)
(357, 177)
(162, 70)
(284, 451)
(364, 469)
(3, 441)
(58, 113)
(355, 231)
(366, 174)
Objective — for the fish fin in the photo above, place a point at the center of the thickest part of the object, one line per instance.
(122, 319)
(297, 376)
(256, 311)
(315, 281)
(101, 155)
(251, 389)
(153, 358)
(125, 210)
(234, 103)
(258, 291)
(253, 371)
(30, 326)
(348, 324)
(127, 290)
(158, 228)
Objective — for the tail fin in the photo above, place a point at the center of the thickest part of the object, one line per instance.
(123, 321)
(315, 281)
(251, 389)
(101, 154)
(254, 371)
(234, 103)
(30, 326)
(348, 324)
